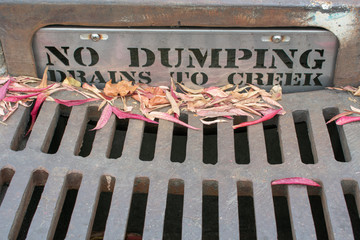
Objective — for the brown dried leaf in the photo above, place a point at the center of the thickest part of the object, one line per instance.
(276, 92)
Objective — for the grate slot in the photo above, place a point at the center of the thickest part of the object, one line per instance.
(174, 210)
(107, 184)
(61, 118)
(210, 210)
(6, 175)
(337, 136)
(282, 215)
(352, 199)
(119, 138)
(136, 219)
(32, 198)
(20, 138)
(271, 133)
(73, 181)
(210, 151)
(301, 121)
(317, 210)
(247, 227)
(148, 142)
(179, 140)
(241, 142)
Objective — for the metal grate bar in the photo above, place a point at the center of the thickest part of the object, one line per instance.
(102, 141)
(84, 209)
(288, 140)
(194, 143)
(192, 219)
(228, 209)
(15, 201)
(352, 136)
(13, 127)
(257, 146)
(337, 217)
(45, 123)
(44, 221)
(119, 209)
(72, 131)
(318, 131)
(300, 213)
(163, 142)
(263, 203)
(133, 138)
(225, 144)
(155, 209)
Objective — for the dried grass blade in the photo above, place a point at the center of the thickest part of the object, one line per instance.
(295, 181)
(70, 103)
(43, 83)
(19, 97)
(272, 101)
(263, 119)
(339, 116)
(212, 122)
(30, 89)
(173, 102)
(165, 116)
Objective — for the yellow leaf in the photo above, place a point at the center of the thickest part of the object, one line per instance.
(70, 81)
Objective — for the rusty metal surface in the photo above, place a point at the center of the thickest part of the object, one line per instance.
(225, 179)
(19, 20)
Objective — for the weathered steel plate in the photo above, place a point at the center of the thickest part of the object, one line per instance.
(299, 60)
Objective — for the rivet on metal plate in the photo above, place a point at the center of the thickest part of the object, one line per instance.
(275, 38)
(94, 37)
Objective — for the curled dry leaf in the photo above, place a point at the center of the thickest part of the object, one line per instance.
(123, 115)
(263, 119)
(276, 92)
(4, 89)
(43, 83)
(122, 88)
(104, 118)
(347, 119)
(165, 116)
(30, 89)
(70, 81)
(295, 181)
(34, 112)
(70, 103)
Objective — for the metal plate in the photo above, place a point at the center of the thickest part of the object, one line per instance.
(299, 60)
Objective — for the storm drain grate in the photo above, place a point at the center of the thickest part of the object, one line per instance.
(168, 182)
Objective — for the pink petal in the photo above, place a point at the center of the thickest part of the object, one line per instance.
(4, 89)
(104, 118)
(30, 89)
(70, 103)
(165, 116)
(264, 118)
(295, 180)
(19, 97)
(34, 112)
(123, 115)
(347, 119)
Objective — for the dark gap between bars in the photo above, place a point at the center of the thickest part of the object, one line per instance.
(272, 141)
(352, 197)
(20, 138)
(247, 226)
(174, 210)
(210, 210)
(72, 181)
(38, 180)
(148, 142)
(302, 134)
(210, 151)
(6, 175)
(103, 207)
(282, 214)
(241, 142)
(317, 210)
(179, 140)
(336, 135)
(88, 139)
(60, 128)
(119, 138)
(136, 219)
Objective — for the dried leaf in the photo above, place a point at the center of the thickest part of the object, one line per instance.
(104, 118)
(43, 83)
(295, 181)
(173, 103)
(39, 100)
(121, 88)
(357, 110)
(264, 118)
(276, 92)
(216, 92)
(347, 119)
(212, 122)
(11, 111)
(4, 89)
(70, 103)
(70, 81)
(19, 97)
(272, 102)
(30, 89)
(165, 116)
(339, 116)
(123, 115)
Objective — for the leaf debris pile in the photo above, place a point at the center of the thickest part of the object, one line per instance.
(213, 104)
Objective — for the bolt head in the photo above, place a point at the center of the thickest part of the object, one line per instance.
(276, 38)
(95, 37)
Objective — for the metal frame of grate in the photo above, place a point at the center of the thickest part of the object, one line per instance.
(25, 169)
